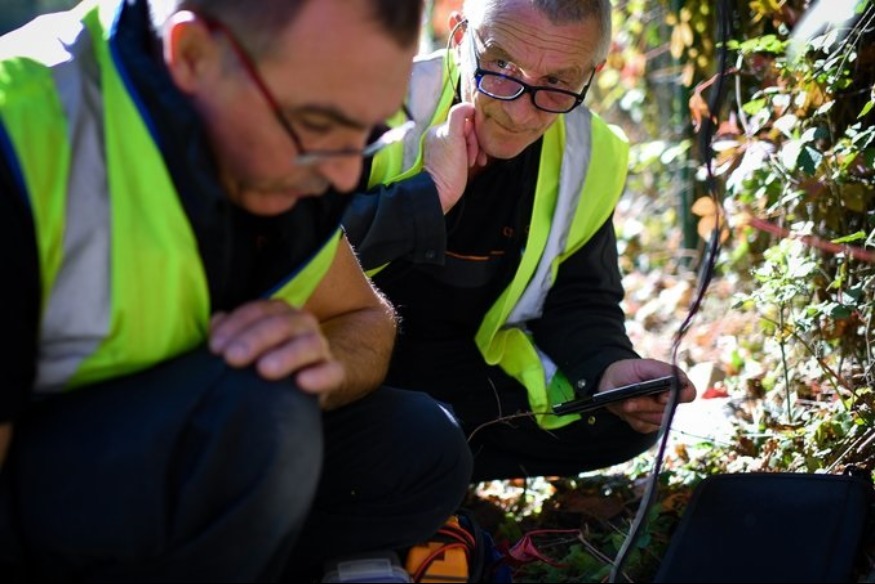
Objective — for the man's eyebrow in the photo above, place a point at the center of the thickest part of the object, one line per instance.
(330, 113)
(497, 52)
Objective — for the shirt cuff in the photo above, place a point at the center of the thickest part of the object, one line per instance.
(430, 230)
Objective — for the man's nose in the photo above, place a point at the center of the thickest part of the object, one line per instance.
(522, 110)
(343, 172)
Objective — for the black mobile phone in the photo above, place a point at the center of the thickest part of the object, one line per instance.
(616, 394)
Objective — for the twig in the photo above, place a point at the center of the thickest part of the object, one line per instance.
(856, 445)
(782, 344)
(595, 552)
(504, 419)
(837, 379)
(857, 253)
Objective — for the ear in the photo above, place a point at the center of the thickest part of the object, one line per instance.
(190, 51)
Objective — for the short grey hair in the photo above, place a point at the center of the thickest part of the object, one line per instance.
(559, 12)
(257, 23)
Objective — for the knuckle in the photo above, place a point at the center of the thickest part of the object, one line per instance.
(305, 320)
(279, 306)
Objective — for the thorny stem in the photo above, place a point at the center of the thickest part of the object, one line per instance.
(782, 343)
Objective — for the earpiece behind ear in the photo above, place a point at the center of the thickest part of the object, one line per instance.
(458, 30)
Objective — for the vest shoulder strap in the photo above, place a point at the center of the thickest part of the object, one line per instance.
(429, 97)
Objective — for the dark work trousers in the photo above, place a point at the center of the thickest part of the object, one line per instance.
(190, 471)
(396, 467)
(481, 396)
(518, 447)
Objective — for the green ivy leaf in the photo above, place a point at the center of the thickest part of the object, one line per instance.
(840, 311)
(765, 44)
(754, 106)
(809, 159)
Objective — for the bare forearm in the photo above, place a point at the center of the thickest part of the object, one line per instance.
(362, 342)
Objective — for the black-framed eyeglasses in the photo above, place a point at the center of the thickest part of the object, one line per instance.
(507, 88)
(381, 136)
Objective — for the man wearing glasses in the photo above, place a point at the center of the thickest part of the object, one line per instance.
(193, 349)
(495, 242)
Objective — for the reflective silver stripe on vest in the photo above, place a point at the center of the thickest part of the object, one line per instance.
(575, 164)
(77, 312)
(426, 89)
(423, 99)
(572, 174)
(426, 82)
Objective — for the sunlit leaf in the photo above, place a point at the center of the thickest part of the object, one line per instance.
(790, 154)
(858, 236)
(825, 108)
(677, 43)
(706, 225)
(786, 124)
(754, 106)
(698, 109)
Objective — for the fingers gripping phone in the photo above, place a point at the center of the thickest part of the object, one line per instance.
(603, 398)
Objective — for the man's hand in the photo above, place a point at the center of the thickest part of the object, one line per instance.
(643, 414)
(279, 340)
(450, 150)
(338, 346)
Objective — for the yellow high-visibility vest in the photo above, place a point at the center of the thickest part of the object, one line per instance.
(582, 174)
(123, 282)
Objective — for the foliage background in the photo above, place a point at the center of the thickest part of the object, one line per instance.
(783, 340)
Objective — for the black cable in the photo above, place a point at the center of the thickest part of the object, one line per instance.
(706, 273)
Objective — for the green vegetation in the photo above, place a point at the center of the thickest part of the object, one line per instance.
(788, 321)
